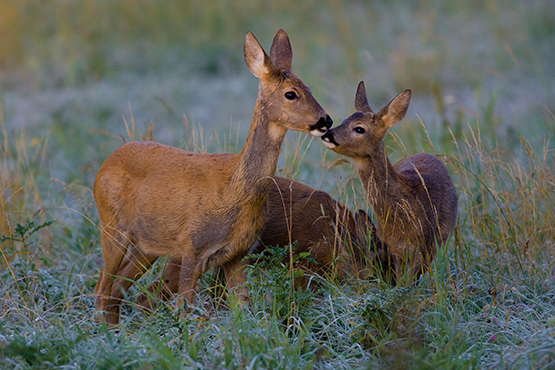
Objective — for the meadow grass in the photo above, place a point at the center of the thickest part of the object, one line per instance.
(487, 301)
(78, 76)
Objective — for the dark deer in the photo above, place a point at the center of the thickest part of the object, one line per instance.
(414, 201)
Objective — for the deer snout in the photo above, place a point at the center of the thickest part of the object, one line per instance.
(321, 127)
(329, 140)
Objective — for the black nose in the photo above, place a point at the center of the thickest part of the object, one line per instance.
(328, 136)
(324, 122)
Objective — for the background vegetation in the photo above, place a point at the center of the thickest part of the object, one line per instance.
(73, 73)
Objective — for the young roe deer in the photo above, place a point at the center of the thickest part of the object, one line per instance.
(414, 201)
(204, 209)
(321, 226)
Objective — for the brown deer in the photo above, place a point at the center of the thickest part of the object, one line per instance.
(335, 240)
(204, 209)
(414, 201)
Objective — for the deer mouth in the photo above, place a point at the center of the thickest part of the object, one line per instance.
(317, 131)
(328, 140)
(322, 126)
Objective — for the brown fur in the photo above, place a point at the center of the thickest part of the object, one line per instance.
(319, 225)
(204, 209)
(415, 201)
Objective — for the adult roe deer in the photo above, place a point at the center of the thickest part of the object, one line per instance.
(318, 224)
(204, 209)
(414, 201)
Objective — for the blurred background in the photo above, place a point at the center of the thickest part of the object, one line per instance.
(74, 73)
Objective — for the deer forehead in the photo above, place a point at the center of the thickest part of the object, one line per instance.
(288, 79)
(359, 117)
(285, 81)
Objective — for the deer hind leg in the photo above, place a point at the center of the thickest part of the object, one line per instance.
(114, 247)
(191, 269)
(168, 285)
(235, 277)
(134, 265)
(164, 288)
(407, 268)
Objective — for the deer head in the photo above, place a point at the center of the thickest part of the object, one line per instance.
(288, 101)
(361, 133)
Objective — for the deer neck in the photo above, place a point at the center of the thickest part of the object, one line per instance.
(384, 187)
(256, 163)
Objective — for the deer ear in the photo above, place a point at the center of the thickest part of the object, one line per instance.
(257, 60)
(361, 101)
(394, 112)
(281, 53)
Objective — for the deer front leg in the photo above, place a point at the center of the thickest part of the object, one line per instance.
(235, 277)
(407, 267)
(168, 285)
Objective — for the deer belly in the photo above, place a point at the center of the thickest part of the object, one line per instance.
(155, 237)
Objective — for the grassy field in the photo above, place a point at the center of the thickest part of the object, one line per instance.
(74, 75)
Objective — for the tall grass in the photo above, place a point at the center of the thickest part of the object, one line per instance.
(487, 301)
(20, 166)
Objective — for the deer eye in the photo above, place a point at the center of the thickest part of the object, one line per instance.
(290, 95)
(359, 130)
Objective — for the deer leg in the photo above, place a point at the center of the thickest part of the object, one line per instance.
(218, 286)
(163, 288)
(168, 285)
(188, 279)
(134, 265)
(406, 268)
(398, 265)
(235, 277)
(114, 246)
(170, 281)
